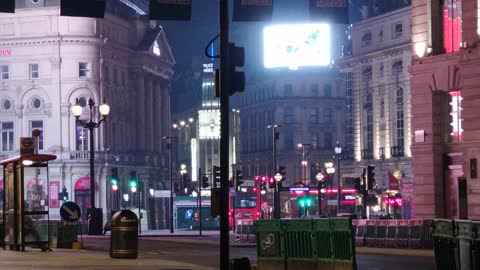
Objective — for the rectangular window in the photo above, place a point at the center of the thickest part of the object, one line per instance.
(452, 25)
(327, 90)
(83, 70)
(456, 116)
(314, 90)
(328, 115)
(33, 70)
(397, 30)
(7, 136)
(314, 115)
(81, 137)
(38, 124)
(4, 72)
(288, 90)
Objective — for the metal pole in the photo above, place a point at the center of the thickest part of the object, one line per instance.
(224, 134)
(199, 201)
(139, 211)
(171, 183)
(276, 197)
(92, 172)
(234, 198)
(338, 183)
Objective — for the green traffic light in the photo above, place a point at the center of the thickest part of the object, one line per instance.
(113, 181)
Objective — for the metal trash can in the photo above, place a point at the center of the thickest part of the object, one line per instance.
(124, 237)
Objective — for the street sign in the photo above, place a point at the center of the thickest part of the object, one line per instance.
(331, 202)
(70, 212)
(161, 193)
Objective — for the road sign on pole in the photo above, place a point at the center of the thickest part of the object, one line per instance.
(70, 212)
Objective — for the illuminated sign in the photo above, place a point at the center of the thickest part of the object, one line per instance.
(5, 52)
(208, 68)
(209, 124)
(456, 113)
(394, 201)
(299, 189)
(296, 45)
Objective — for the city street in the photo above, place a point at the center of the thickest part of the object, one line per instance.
(186, 252)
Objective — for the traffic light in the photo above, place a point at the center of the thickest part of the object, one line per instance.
(216, 175)
(321, 185)
(133, 181)
(371, 177)
(63, 195)
(84, 8)
(237, 59)
(282, 171)
(358, 184)
(204, 182)
(114, 179)
(305, 202)
(7, 6)
(263, 187)
(271, 182)
(239, 178)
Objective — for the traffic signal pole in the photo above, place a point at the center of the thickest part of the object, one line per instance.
(225, 89)
(276, 195)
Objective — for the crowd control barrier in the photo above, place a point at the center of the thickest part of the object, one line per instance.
(305, 244)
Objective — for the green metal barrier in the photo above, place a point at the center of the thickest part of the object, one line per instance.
(300, 250)
(464, 234)
(67, 234)
(343, 244)
(323, 239)
(445, 245)
(270, 244)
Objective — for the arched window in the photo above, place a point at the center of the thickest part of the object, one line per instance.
(367, 39)
(397, 67)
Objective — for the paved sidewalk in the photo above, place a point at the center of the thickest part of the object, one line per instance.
(84, 259)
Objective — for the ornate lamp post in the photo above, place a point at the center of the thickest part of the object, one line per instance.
(95, 225)
(338, 151)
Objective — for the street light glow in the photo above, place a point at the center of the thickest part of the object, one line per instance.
(190, 120)
(182, 123)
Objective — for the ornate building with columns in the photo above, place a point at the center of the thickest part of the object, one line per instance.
(445, 85)
(48, 62)
(377, 97)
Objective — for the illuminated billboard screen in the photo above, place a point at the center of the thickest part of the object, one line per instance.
(296, 45)
(209, 124)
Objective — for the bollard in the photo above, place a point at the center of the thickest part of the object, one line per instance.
(124, 237)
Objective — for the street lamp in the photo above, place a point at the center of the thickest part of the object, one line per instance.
(338, 151)
(320, 177)
(304, 161)
(170, 138)
(330, 170)
(276, 194)
(95, 224)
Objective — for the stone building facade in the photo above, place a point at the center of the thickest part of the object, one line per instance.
(49, 61)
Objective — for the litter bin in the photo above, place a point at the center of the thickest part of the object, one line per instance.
(124, 237)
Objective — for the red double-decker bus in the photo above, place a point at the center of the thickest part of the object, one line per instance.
(245, 204)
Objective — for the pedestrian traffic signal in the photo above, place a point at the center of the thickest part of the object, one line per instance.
(371, 177)
(114, 179)
(263, 187)
(321, 185)
(133, 181)
(216, 175)
(237, 59)
(239, 178)
(63, 196)
(204, 182)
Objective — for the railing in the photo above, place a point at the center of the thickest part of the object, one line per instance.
(397, 151)
(367, 154)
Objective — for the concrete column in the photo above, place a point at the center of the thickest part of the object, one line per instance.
(140, 119)
(148, 106)
(157, 123)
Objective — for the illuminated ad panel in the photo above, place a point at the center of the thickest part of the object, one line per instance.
(209, 124)
(296, 45)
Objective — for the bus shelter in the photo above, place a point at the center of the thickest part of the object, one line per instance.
(25, 214)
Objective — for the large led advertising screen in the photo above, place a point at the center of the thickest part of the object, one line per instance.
(296, 45)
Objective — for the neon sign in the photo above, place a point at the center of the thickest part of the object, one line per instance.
(456, 113)
(394, 201)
